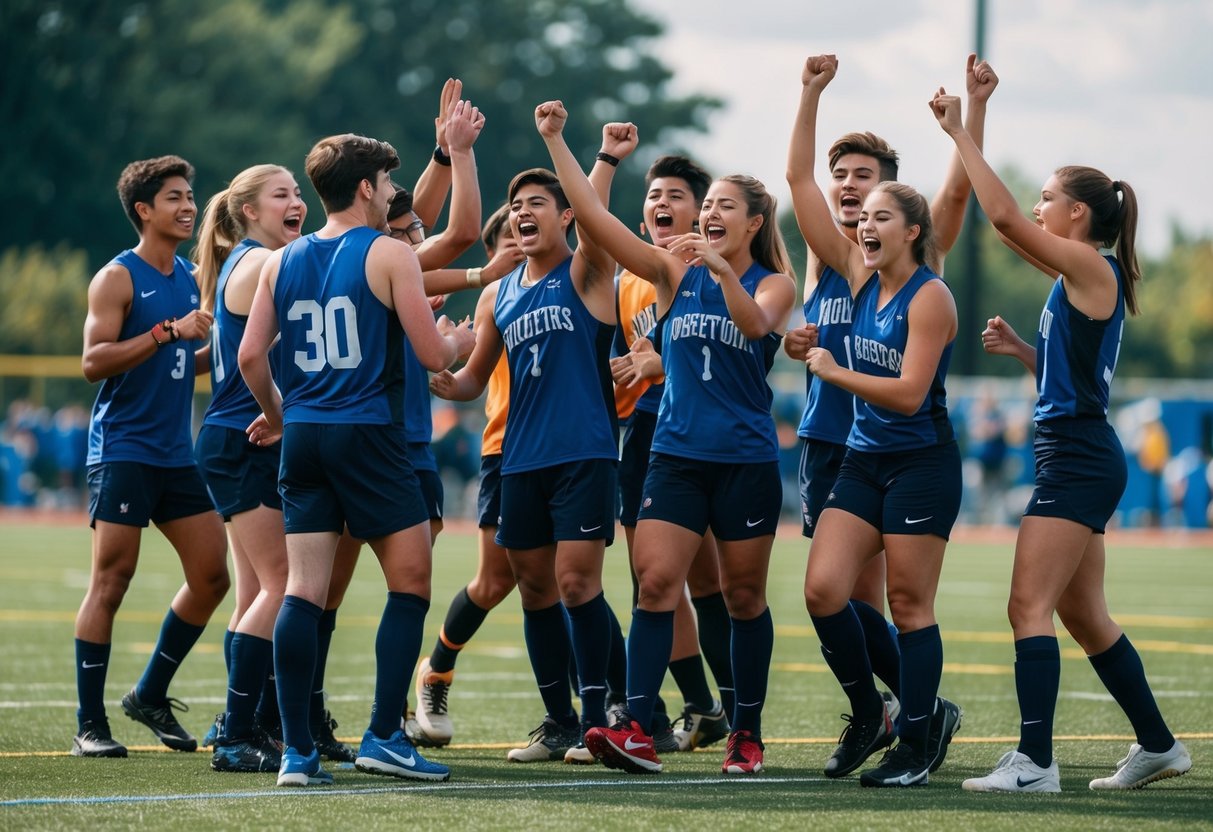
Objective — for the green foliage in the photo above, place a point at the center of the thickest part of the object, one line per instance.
(43, 300)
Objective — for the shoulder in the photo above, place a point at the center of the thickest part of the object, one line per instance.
(113, 282)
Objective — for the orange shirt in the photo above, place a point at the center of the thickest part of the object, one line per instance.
(637, 301)
(496, 406)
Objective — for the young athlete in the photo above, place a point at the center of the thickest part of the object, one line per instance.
(143, 339)
(555, 316)
(723, 294)
(858, 161)
(339, 298)
(1080, 464)
(898, 488)
(259, 212)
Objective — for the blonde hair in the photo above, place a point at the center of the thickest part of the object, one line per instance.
(224, 225)
(767, 248)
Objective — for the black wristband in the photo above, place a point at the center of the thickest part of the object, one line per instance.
(608, 158)
(441, 158)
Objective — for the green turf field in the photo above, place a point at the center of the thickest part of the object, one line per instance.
(1163, 595)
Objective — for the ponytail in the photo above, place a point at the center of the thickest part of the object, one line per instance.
(218, 236)
(1113, 207)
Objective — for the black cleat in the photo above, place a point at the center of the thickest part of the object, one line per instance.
(664, 740)
(903, 766)
(95, 740)
(328, 745)
(945, 723)
(860, 740)
(161, 720)
(244, 756)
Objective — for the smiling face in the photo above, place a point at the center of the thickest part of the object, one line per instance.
(669, 209)
(883, 232)
(851, 180)
(380, 199)
(276, 217)
(537, 221)
(723, 219)
(171, 212)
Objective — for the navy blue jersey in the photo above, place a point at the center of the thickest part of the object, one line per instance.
(878, 343)
(232, 403)
(562, 403)
(717, 404)
(418, 417)
(342, 349)
(143, 415)
(829, 410)
(1076, 355)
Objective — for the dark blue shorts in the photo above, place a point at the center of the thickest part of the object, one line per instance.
(739, 501)
(1080, 472)
(819, 466)
(421, 456)
(634, 464)
(570, 501)
(356, 475)
(901, 492)
(239, 475)
(133, 493)
(488, 501)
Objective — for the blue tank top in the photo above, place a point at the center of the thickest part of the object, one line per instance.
(232, 403)
(143, 415)
(878, 343)
(717, 403)
(829, 410)
(1076, 355)
(342, 349)
(418, 417)
(562, 403)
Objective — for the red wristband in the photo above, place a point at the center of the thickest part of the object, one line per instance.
(163, 331)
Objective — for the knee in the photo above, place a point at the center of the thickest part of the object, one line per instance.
(821, 599)
(489, 590)
(109, 588)
(657, 591)
(215, 586)
(909, 611)
(1024, 610)
(576, 588)
(701, 585)
(745, 601)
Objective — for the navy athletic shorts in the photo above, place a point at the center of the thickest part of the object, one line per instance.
(239, 475)
(819, 466)
(1080, 472)
(488, 501)
(634, 464)
(569, 501)
(133, 493)
(738, 501)
(901, 492)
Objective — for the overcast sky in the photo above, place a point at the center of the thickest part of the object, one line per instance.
(1123, 85)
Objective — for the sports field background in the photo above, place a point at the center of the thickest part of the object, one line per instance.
(1160, 588)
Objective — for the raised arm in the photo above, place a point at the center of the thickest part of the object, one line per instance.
(948, 206)
(446, 281)
(813, 216)
(635, 255)
(618, 142)
(431, 189)
(463, 227)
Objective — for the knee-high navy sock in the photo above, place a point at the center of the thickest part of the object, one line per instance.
(1120, 669)
(921, 670)
(1037, 679)
(883, 652)
(92, 660)
(650, 639)
(548, 646)
(267, 706)
(842, 645)
(715, 638)
(753, 641)
(228, 635)
(463, 619)
(397, 645)
(294, 669)
(176, 639)
(692, 683)
(591, 626)
(324, 639)
(250, 658)
(617, 659)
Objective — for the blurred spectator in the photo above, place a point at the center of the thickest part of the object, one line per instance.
(987, 441)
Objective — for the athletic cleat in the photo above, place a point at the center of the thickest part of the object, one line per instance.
(396, 757)
(214, 732)
(902, 766)
(579, 755)
(550, 741)
(859, 740)
(1016, 772)
(327, 744)
(161, 720)
(271, 729)
(297, 770)
(432, 689)
(243, 756)
(893, 706)
(95, 740)
(697, 729)
(945, 723)
(664, 741)
(744, 754)
(625, 746)
(1141, 767)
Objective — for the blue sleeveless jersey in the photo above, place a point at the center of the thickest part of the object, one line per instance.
(1076, 355)
(829, 410)
(143, 415)
(878, 343)
(562, 403)
(418, 417)
(342, 349)
(232, 403)
(717, 404)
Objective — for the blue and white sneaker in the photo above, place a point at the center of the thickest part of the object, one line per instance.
(298, 770)
(396, 757)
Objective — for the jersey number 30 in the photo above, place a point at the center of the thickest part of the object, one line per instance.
(332, 334)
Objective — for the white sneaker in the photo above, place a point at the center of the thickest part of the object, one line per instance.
(1142, 767)
(432, 689)
(579, 755)
(1016, 772)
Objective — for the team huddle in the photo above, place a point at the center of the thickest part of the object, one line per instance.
(324, 352)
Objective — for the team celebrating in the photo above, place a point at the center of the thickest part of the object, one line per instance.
(324, 351)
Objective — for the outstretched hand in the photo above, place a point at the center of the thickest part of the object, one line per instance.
(980, 79)
(819, 71)
(998, 338)
(946, 109)
(550, 117)
(451, 92)
(619, 139)
(464, 125)
(465, 338)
